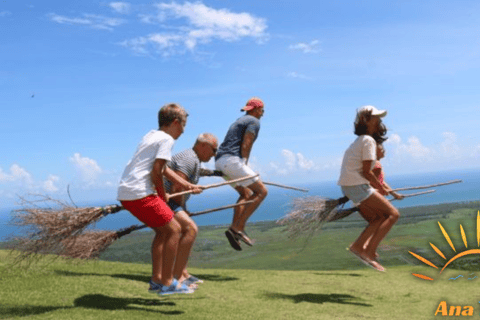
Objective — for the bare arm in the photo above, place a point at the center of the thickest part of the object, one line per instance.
(182, 181)
(393, 193)
(247, 145)
(157, 176)
(370, 176)
(178, 188)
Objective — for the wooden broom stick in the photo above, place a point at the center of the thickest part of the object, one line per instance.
(220, 208)
(428, 186)
(284, 186)
(342, 213)
(214, 185)
(415, 194)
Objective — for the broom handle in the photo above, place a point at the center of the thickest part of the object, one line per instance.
(128, 230)
(115, 208)
(284, 186)
(220, 208)
(429, 186)
(355, 209)
(279, 185)
(214, 185)
(414, 194)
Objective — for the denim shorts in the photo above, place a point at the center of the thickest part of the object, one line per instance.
(175, 207)
(358, 193)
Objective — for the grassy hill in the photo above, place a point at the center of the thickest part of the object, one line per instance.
(273, 250)
(114, 290)
(275, 279)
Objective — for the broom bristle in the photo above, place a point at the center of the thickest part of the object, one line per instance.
(89, 245)
(51, 229)
(307, 215)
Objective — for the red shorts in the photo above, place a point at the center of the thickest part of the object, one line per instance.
(151, 210)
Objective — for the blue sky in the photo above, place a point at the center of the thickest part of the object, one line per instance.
(81, 83)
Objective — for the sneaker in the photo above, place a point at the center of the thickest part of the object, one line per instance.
(194, 279)
(175, 288)
(154, 287)
(190, 284)
(242, 235)
(232, 238)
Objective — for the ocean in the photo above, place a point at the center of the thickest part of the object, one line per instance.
(278, 201)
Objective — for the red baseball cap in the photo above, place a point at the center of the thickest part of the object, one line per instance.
(252, 104)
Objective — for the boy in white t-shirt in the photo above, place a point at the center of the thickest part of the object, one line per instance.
(141, 192)
(363, 188)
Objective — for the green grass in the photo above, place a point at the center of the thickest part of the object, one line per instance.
(113, 290)
(275, 279)
(275, 251)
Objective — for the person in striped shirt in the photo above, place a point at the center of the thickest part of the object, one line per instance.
(187, 165)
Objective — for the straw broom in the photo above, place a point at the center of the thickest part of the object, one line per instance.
(339, 213)
(305, 219)
(90, 244)
(308, 214)
(49, 227)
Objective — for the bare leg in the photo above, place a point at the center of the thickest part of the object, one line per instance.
(378, 203)
(157, 250)
(374, 219)
(164, 258)
(189, 234)
(359, 245)
(256, 192)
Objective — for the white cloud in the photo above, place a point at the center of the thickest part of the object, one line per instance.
(414, 149)
(304, 163)
(17, 174)
(278, 169)
(413, 155)
(148, 18)
(120, 7)
(312, 47)
(49, 184)
(297, 75)
(87, 168)
(290, 159)
(91, 20)
(449, 146)
(293, 162)
(5, 13)
(203, 25)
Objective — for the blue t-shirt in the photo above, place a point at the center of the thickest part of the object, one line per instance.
(232, 143)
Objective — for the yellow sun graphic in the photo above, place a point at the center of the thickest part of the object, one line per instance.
(440, 253)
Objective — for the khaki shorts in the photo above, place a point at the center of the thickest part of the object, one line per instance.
(234, 168)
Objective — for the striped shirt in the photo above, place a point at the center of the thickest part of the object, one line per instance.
(186, 162)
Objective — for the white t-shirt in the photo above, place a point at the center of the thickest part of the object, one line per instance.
(362, 149)
(136, 182)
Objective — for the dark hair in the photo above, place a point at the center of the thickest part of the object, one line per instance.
(361, 128)
(169, 112)
(379, 136)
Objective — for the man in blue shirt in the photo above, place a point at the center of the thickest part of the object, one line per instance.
(232, 159)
